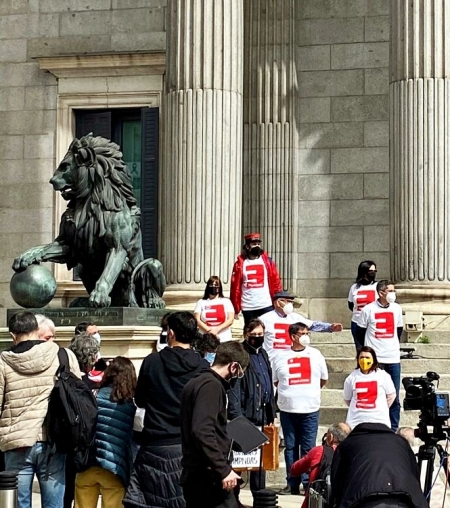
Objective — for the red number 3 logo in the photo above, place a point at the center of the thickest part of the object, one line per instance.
(366, 394)
(299, 371)
(384, 324)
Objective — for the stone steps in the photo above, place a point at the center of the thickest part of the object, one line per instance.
(427, 351)
(409, 367)
(345, 337)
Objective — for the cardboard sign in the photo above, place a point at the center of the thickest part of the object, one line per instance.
(246, 460)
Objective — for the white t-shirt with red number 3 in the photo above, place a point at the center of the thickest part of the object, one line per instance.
(214, 312)
(255, 286)
(367, 393)
(276, 335)
(361, 296)
(298, 374)
(381, 325)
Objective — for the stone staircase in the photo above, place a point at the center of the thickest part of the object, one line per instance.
(339, 352)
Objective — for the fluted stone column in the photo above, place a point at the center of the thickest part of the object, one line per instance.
(202, 180)
(420, 148)
(270, 134)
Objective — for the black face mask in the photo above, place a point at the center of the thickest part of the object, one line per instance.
(256, 342)
(213, 290)
(256, 251)
(371, 277)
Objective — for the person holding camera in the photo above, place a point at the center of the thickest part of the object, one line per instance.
(380, 327)
(368, 391)
(375, 468)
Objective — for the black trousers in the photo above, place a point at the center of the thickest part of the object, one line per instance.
(254, 314)
(203, 491)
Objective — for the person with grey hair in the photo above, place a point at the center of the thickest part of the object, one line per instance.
(408, 434)
(311, 462)
(46, 330)
(85, 347)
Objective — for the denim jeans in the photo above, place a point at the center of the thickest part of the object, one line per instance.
(300, 433)
(394, 370)
(32, 460)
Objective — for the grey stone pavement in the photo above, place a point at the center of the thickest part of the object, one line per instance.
(440, 498)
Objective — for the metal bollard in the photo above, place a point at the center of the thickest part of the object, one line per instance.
(266, 498)
(8, 489)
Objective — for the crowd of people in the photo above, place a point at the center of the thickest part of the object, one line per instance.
(180, 455)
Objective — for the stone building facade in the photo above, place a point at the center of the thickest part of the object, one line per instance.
(274, 115)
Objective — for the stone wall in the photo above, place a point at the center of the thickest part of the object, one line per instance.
(31, 28)
(343, 163)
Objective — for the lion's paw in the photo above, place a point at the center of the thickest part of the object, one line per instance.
(99, 299)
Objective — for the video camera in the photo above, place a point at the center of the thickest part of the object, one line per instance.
(434, 407)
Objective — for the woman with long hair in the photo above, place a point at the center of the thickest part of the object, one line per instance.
(368, 391)
(362, 292)
(112, 463)
(215, 313)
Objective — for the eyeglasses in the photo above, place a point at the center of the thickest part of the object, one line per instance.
(372, 271)
(255, 336)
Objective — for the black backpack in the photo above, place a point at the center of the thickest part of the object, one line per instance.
(71, 419)
(321, 484)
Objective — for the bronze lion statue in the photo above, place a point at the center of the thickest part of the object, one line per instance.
(100, 230)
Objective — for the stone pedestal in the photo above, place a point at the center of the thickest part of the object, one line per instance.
(202, 181)
(108, 316)
(270, 133)
(420, 123)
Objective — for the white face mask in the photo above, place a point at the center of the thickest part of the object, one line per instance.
(391, 297)
(305, 340)
(97, 337)
(288, 308)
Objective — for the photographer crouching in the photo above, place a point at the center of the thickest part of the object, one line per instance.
(375, 468)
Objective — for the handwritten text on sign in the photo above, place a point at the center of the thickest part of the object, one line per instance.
(246, 460)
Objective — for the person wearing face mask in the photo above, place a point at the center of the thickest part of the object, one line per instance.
(254, 280)
(208, 479)
(206, 345)
(253, 395)
(161, 380)
(380, 327)
(214, 312)
(277, 322)
(362, 292)
(368, 391)
(299, 375)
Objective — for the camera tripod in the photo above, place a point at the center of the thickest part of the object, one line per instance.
(427, 453)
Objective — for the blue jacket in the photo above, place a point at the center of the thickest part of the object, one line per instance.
(114, 434)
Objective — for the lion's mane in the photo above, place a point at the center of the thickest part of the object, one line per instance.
(103, 187)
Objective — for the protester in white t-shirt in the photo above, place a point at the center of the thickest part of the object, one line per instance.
(254, 280)
(381, 326)
(368, 391)
(277, 322)
(299, 374)
(215, 313)
(363, 292)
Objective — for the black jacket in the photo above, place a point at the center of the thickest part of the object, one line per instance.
(373, 461)
(155, 480)
(204, 439)
(161, 380)
(245, 396)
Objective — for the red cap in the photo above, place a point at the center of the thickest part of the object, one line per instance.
(252, 237)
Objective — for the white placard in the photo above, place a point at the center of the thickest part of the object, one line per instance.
(246, 460)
